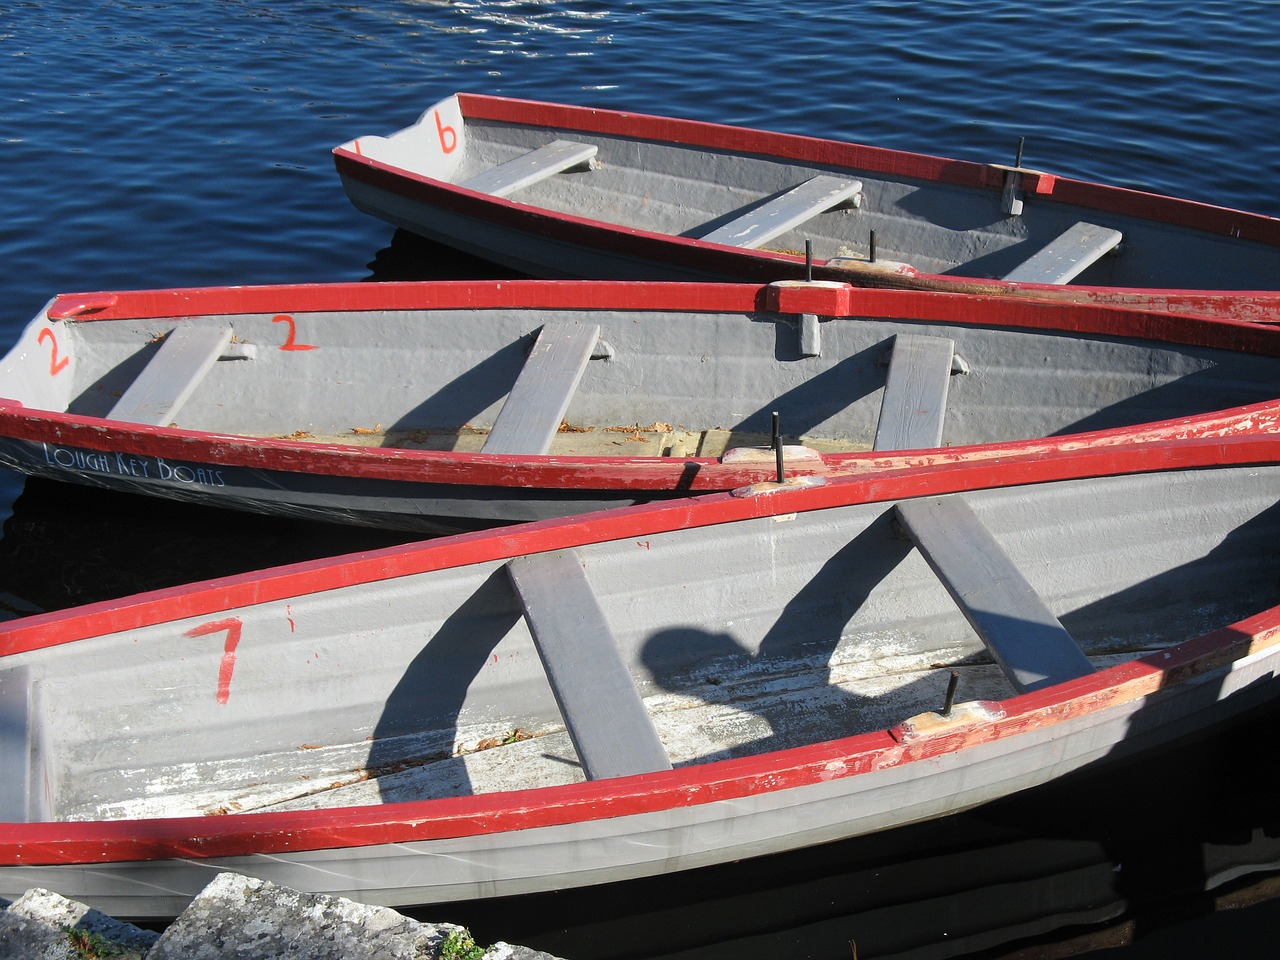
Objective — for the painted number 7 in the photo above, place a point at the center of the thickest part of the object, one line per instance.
(232, 625)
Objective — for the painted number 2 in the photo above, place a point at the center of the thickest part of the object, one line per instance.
(232, 626)
(56, 363)
(290, 342)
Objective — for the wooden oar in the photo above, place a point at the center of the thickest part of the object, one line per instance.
(1251, 306)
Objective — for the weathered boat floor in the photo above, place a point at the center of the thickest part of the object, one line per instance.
(572, 440)
(724, 717)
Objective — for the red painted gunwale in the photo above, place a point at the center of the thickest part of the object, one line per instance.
(764, 265)
(267, 833)
(661, 474)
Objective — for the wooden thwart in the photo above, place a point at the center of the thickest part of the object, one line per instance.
(761, 224)
(527, 169)
(171, 375)
(1067, 256)
(602, 709)
(15, 744)
(915, 393)
(1023, 636)
(531, 415)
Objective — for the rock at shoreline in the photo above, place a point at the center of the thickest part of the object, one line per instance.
(240, 917)
(40, 925)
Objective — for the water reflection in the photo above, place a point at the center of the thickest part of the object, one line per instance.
(410, 257)
(64, 545)
(173, 156)
(1101, 859)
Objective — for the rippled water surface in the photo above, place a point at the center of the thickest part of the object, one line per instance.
(149, 144)
(177, 144)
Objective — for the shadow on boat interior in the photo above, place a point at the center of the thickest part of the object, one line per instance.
(685, 660)
(430, 694)
(812, 622)
(1182, 602)
(817, 399)
(462, 400)
(98, 397)
(961, 211)
(1234, 579)
(1203, 391)
(804, 408)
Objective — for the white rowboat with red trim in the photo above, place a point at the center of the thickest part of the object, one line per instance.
(553, 190)
(457, 405)
(644, 690)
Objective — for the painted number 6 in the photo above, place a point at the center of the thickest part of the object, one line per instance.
(448, 135)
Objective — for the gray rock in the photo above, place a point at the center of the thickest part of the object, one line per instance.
(23, 939)
(509, 951)
(40, 925)
(249, 919)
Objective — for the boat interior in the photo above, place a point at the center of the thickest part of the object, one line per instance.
(699, 644)
(601, 383)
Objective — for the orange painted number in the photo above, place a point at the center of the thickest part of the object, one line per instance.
(232, 625)
(291, 339)
(448, 135)
(56, 363)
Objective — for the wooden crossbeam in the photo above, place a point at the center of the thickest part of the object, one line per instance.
(15, 744)
(915, 393)
(602, 709)
(1023, 636)
(531, 415)
(1068, 255)
(171, 375)
(761, 224)
(529, 168)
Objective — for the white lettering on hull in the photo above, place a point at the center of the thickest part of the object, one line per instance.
(129, 465)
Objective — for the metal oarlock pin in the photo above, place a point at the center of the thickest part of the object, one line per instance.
(951, 693)
(776, 443)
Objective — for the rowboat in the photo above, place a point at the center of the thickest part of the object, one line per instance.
(553, 190)
(645, 690)
(437, 407)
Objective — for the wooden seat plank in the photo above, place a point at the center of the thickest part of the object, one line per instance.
(1068, 255)
(171, 375)
(605, 715)
(1023, 636)
(15, 744)
(531, 415)
(529, 168)
(761, 224)
(915, 393)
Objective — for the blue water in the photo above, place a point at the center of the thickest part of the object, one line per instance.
(147, 144)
